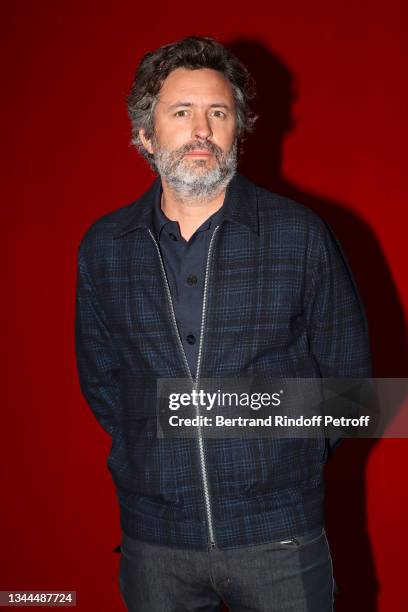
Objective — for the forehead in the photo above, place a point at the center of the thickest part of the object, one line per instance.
(203, 84)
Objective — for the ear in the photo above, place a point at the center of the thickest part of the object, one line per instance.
(146, 142)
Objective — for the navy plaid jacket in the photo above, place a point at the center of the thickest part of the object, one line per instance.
(280, 302)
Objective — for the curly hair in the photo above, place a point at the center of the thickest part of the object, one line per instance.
(192, 52)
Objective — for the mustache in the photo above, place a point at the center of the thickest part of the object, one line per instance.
(200, 145)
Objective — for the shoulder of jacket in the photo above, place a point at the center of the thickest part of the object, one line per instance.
(103, 229)
(274, 206)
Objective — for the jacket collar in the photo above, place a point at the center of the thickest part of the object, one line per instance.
(240, 205)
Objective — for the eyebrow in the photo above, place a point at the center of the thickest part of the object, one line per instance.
(214, 105)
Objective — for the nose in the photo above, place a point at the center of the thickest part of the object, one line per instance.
(202, 127)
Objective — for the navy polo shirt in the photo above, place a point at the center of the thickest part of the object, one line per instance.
(185, 263)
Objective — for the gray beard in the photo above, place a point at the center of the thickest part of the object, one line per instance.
(195, 182)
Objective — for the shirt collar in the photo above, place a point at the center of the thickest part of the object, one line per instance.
(240, 206)
(160, 220)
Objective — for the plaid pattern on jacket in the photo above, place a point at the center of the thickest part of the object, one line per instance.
(281, 302)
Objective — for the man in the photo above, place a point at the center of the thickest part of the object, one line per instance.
(210, 276)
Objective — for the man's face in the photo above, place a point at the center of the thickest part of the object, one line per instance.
(194, 144)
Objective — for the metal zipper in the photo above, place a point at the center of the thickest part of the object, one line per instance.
(200, 436)
(203, 464)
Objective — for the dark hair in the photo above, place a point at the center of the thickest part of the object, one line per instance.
(193, 52)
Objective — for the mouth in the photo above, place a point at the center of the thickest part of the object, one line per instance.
(198, 153)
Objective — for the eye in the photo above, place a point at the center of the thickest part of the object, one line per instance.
(219, 114)
(181, 113)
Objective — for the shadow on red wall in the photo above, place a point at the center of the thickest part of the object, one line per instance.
(346, 519)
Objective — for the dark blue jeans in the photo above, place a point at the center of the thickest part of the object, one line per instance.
(290, 576)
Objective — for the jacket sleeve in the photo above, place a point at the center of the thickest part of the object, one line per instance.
(97, 361)
(337, 324)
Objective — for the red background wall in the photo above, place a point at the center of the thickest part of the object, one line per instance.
(333, 133)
